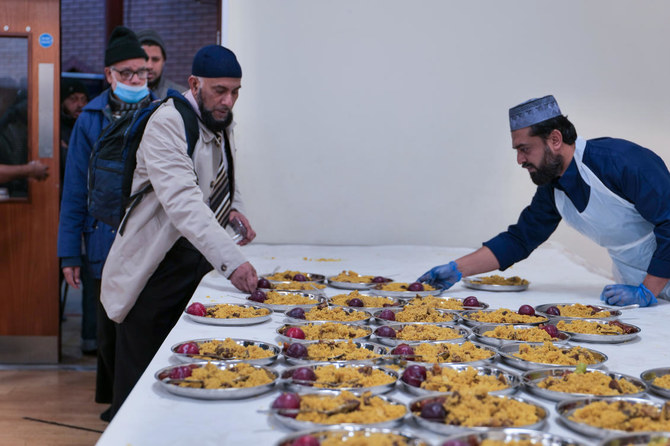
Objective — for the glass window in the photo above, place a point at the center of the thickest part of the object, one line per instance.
(14, 111)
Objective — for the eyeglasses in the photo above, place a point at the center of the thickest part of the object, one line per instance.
(127, 75)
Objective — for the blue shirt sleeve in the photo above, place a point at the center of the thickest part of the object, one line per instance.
(536, 223)
(641, 177)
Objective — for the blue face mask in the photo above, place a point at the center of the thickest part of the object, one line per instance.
(129, 94)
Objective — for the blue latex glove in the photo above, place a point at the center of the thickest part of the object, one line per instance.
(628, 295)
(443, 276)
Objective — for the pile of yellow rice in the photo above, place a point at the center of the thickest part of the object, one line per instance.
(624, 416)
(238, 376)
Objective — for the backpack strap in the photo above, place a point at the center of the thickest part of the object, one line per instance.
(192, 135)
(190, 121)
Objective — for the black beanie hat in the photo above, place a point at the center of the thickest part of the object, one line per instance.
(69, 86)
(151, 37)
(123, 45)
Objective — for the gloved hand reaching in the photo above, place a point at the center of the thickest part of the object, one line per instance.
(443, 276)
(628, 295)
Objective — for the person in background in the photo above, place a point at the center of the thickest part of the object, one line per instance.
(16, 168)
(126, 72)
(176, 232)
(155, 48)
(34, 169)
(613, 191)
(73, 98)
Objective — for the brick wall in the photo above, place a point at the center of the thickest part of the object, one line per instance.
(184, 25)
(82, 35)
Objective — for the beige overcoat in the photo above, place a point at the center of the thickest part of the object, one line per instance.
(177, 206)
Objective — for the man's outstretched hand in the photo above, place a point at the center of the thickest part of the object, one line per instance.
(244, 278)
(442, 276)
(628, 295)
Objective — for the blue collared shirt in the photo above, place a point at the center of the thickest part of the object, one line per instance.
(632, 172)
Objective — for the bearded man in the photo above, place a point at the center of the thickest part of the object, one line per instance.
(152, 44)
(613, 191)
(176, 232)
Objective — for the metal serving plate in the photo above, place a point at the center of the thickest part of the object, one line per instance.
(316, 291)
(509, 435)
(371, 310)
(311, 277)
(479, 330)
(290, 385)
(648, 377)
(453, 314)
(482, 305)
(184, 358)
(213, 394)
(404, 294)
(507, 352)
(566, 408)
(448, 429)
(604, 339)
(512, 379)
(374, 348)
(532, 378)
(346, 434)
(285, 338)
(478, 362)
(317, 298)
(470, 282)
(348, 310)
(232, 321)
(294, 424)
(641, 439)
(397, 304)
(353, 285)
(462, 331)
(468, 320)
(615, 314)
(349, 285)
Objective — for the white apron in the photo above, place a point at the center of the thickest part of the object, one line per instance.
(613, 223)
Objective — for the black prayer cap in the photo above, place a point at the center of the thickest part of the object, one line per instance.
(216, 61)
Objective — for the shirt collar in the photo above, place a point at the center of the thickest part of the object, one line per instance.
(574, 186)
(571, 174)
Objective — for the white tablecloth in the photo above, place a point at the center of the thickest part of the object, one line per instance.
(152, 416)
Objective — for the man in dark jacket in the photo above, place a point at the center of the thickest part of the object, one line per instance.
(153, 45)
(73, 99)
(126, 72)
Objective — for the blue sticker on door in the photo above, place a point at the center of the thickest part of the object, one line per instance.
(46, 40)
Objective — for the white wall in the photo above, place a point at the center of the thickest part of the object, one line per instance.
(385, 121)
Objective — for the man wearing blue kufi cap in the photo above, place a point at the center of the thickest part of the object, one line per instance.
(176, 232)
(613, 191)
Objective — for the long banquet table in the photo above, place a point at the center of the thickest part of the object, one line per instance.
(153, 416)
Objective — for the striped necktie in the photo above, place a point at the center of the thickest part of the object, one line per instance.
(220, 198)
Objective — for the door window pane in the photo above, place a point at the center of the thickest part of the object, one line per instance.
(14, 110)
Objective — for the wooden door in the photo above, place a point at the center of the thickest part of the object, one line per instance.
(29, 274)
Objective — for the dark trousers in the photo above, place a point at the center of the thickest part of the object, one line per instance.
(106, 334)
(158, 308)
(90, 298)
